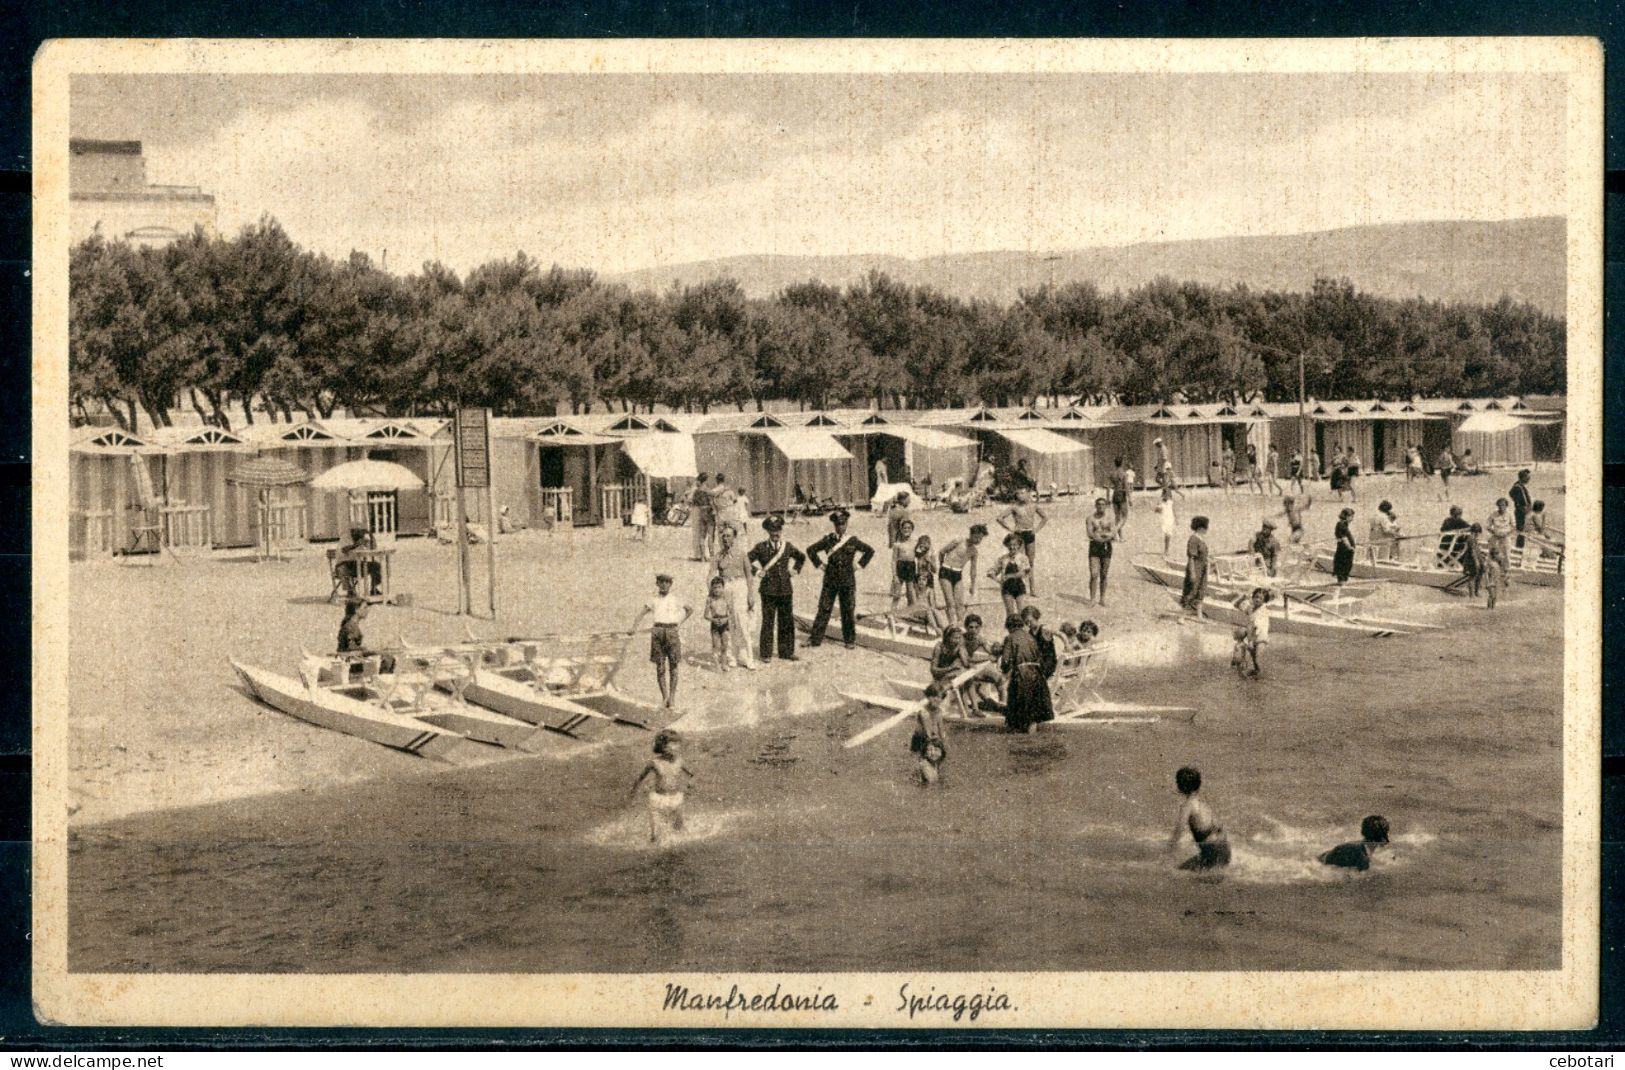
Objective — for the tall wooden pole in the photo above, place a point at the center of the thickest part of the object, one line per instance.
(465, 599)
(1303, 419)
(491, 548)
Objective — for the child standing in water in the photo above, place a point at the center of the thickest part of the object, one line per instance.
(1373, 838)
(1212, 849)
(927, 741)
(666, 794)
(1257, 632)
(717, 611)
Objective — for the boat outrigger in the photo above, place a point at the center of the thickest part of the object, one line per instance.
(908, 638)
(1171, 575)
(1076, 703)
(1289, 616)
(569, 691)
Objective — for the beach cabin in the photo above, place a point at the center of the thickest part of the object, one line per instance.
(1057, 463)
(770, 459)
(202, 508)
(657, 463)
(1499, 435)
(105, 474)
(1193, 438)
(551, 470)
(926, 457)
(318, 445)
(1547, 418)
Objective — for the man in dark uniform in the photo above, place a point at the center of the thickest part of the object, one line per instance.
(840, 578)
(772, 561)
(1521, 501)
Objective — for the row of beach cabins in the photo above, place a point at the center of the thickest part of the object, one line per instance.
(589, 469)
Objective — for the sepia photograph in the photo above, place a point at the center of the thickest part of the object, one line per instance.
(848, 534)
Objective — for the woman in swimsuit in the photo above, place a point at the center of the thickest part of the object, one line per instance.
(958, 561)
(1212, 849)
(1012, 571)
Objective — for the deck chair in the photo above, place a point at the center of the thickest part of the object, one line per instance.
(1079, 672)
(146, 524)
(343, 579)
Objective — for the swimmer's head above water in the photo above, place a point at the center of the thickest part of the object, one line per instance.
(1188, 780)
(1374, 829)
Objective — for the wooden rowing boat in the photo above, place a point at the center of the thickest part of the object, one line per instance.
(1106, 714)
(1417, 573)
(1167, 574)
(508, 678)
(333, 709)
(909, 640)
(1308, 620)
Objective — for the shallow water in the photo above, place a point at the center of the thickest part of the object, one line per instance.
(1041, 852)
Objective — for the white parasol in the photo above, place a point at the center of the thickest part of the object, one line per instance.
(367, 475)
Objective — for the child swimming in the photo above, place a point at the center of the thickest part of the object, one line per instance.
(1373, 838)
(927, 741)
(1257, 632)
(666, 794)
(1212, 849)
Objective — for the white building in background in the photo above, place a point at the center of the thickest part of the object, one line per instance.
(108, 190)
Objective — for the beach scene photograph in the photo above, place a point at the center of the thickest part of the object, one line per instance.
(803, 523)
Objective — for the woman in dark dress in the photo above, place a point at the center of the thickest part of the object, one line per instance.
(1343, 560)
(1027, 700)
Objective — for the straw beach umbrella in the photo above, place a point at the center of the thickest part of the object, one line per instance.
(265, 474)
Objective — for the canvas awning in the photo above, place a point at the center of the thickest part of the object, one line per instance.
(926, 437)
(1490, 423)
(663, 455)
(1041, 441)
(807, 445)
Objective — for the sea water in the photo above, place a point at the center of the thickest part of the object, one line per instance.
(1034, 852)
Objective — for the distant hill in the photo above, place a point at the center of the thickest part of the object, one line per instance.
(1467, 261)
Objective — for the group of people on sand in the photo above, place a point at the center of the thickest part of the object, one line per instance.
(1213, 847)
(713, 508)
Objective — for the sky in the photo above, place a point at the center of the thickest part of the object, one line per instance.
(620, 172)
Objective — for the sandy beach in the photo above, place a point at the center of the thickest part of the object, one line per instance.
(159, 721)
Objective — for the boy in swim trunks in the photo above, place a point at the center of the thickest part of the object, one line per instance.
(1103, 531)
(718, 612)
(1359, 856)
(1212, 849)
(1257, 632)
(1294, 515)
(665, 642)
(666, 794)
(955, 565)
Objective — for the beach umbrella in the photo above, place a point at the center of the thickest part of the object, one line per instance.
(368, 475)
(267, 472)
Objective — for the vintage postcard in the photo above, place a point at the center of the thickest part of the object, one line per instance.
(918, 534)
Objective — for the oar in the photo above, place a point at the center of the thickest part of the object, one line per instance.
(876, 729)
(957, 681)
